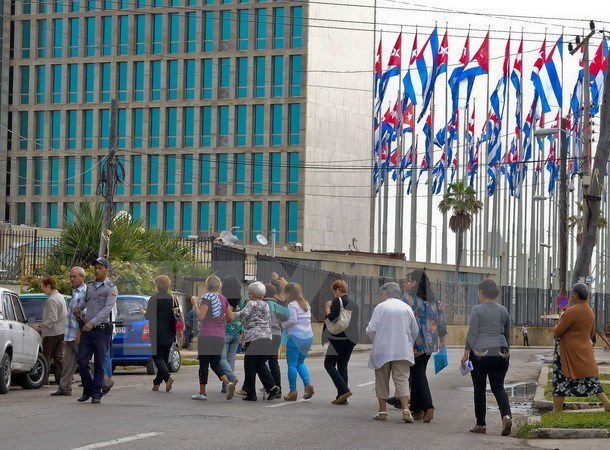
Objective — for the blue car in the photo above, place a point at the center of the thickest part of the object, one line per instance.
(131, 343)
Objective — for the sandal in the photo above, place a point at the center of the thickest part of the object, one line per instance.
(406, 416)
(381, 416)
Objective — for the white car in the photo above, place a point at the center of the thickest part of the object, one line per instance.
(21, 356)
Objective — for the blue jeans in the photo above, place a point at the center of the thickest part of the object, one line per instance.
(227, 360)
(108, 364)
(296, 352)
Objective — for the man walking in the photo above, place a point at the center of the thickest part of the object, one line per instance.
(53, 327)
(71, 338)
(526, 340)
(96, 330)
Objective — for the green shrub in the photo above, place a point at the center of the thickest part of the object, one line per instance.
(591, 419)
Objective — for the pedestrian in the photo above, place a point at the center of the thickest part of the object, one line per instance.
(278, 313)
(234, 330)
(96, 330)
(161, 318)
(189, 323)
(526, 340)
(341, 343)
(430, 317)
(575, 371)
(299, 340)
(212, 310)
(256, 318)
(487, 348)
(393, 330)
(53, 327)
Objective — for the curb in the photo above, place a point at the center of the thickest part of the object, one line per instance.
(570, 433)
(543, 404)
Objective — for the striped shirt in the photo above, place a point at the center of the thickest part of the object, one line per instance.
(72, 324)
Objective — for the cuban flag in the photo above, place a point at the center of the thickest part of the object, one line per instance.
(456, 84)
(546, 76)
(498, 97)
(597, 73)
(393, 69)
(552, 167)
(378, 74)
(479, 64)
(494, 150)
(473, 157)
(425, 165)
(410, 170)
(427, 67)
(409, 96)
(408, 119)
(515, 77)
(443, 55)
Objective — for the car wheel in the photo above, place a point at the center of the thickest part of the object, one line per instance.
(174, 359)
(37, 374)
(150, 368)
(5, 373)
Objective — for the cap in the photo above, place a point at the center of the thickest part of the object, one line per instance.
(103, 261)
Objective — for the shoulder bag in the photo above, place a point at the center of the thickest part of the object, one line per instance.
(340, 324)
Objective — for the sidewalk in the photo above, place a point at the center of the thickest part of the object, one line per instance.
(316, 351)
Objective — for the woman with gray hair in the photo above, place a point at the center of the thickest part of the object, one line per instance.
(393, 330)
(256, 318)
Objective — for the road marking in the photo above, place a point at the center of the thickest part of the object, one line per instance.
(135, 437)
(366, 384)
(277, 405)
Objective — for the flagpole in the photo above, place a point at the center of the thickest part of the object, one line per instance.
(520, 227)
(373, 185)
(486, 247)
(414, 170)
(448, 163)
(429, 180)
(507, 209)
(398, 213)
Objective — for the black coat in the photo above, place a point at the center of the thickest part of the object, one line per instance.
(352, 333)
(162, 323)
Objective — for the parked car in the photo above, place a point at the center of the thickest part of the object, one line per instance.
(21, 358)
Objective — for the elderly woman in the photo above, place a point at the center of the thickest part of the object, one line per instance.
(393, 330)
(575, 372)
(256, 318)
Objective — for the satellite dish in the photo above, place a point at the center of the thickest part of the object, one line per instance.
(262, 240)
(228, 238)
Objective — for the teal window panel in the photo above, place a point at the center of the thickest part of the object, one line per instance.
(141, 3)
(242, 77)
(90, 36)
(238, 220)
(187, 174)
(153, 174)
(223, 121)
(224, 72)
(108, 4)
(89, 82)
(206, 126)
(25, 84)
(256, 219)
(137, 127)
(140, 34)
(58, 38)
(119, 206)
(37, 214)
(259, 76)
(158, 2)
(292, 221)
(170, 174)
(171, 116)
(295, 75)
(86, 175)
(136, 175)
(52, 215)
(153, 131)
(20, 213)
(208, 2)
(105, 75)
(26, 7)
(243, 27)
(294, 124)
(70, 176)
(225, 25)
(38, 170)
(127, 4)
(23, 130)
(104, 127)
(206, 79)
(107, 35)
(72, 83)
(138, 81)
(41, 84)
(261, 29)
(152, 214)
(204, 174)
(278, 28)
(189, 79)
(221, 216)
(274, 220)
(39, 129)
(122, 127)
(123, 41)
(22, 164)
(240, 125)
(204, 216)
(188, 118)
(57, 82)
(222, 168)
(74, 5)
(42, 6)
(155, 80)
(157, 33)
(55, 130)
(73, 25)
(257, 173)
(174, 32)
(239, 175)
(293, 172)
(172, 79)
(277, 78)
(190, 19)
(71, 126)
(296, 32)
(88, 128)
(208, 31)
(41, 26)
(258, 113)
(225, 2)
(275, 173)
(121, 79)
(276, 125)
(186, 213)
(191, 2)
(175, 2)
(135, 209)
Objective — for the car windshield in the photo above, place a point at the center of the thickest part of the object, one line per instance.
(32, 306)
(130, 307)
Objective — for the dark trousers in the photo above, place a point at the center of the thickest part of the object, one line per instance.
(93, 343)
(421, 399)
(210, 351)
(53, 349)
(274, 365)
(255, 363)
(526, 340)
(161, 360)
(335, 363)
(494, 367)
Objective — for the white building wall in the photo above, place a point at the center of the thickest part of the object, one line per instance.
(338, 126)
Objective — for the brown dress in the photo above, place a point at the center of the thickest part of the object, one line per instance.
(574, 330)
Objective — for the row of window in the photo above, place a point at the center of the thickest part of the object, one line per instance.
(205, 126)
(160, 33)
(158, 80)
(204, 174)
(188, 218)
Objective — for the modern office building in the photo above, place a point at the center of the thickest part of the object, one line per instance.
(232, 113)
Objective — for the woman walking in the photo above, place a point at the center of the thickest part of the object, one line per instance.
(278, 313)
(487, 347)
(162, 323)
(231, 290)
(341, 343)
(575, 371)
(256, 317)
(300, 338)
(212, 311)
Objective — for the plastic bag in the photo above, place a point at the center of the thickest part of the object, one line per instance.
(440, 360)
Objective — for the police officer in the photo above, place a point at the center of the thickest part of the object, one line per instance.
(96, 329)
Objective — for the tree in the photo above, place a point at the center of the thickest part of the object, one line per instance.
(577, 221)
(462, 201)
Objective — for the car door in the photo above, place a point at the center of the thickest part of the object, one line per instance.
(15, 332)
(29, 335)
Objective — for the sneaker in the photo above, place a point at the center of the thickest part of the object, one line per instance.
(291, 396)
(343, 397)
(155, 388)
(381, 416)
(95, 401)
(248, 398)
(507, 425)
(230, 390)
(395, 402)
(308, 392)
(241, 393)
(480, 429)
(199, 397)
(406, 416)
(274, 392)
(168, 384)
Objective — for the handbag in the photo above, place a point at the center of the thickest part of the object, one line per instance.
(176, 309)
(340, 324)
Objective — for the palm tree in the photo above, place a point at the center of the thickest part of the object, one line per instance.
(462, 201)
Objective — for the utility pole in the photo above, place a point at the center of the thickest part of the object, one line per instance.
(563, 208)
(109, 180)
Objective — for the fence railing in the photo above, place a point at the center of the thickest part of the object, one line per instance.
(23, 253)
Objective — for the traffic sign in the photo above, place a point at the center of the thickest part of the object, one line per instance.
(562, 301)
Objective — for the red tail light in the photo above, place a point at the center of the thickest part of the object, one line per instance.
(146, 333)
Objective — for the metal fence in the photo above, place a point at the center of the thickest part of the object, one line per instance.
(228, 261)
(22, 253)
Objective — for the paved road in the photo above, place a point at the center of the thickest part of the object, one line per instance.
(132, 413)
